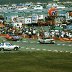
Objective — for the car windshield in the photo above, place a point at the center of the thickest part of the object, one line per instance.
(1, 44)
(8, 44)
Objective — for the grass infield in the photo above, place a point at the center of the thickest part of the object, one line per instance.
(36, 61)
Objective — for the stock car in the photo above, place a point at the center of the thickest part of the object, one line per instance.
(46, 41)
(8, 46)
(13, 37)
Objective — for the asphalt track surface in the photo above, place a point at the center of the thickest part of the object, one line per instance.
(34, 45)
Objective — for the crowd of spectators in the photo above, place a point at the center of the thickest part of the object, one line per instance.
(36, 31)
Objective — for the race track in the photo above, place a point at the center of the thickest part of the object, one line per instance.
(34, 45)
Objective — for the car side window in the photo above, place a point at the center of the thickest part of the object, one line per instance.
(8, 44)
(1, 44)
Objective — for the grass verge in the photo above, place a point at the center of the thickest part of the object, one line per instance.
(40, 61)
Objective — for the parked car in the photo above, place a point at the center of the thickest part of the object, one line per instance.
(8, 46)
(13, 37)
(46, 41)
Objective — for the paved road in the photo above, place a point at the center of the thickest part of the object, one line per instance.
(33, 45)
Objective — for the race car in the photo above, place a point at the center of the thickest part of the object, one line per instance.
(46, 41)
(13, 37)
(8, 46)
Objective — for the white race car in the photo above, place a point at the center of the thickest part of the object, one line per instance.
(46, 41)
(8, 46)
